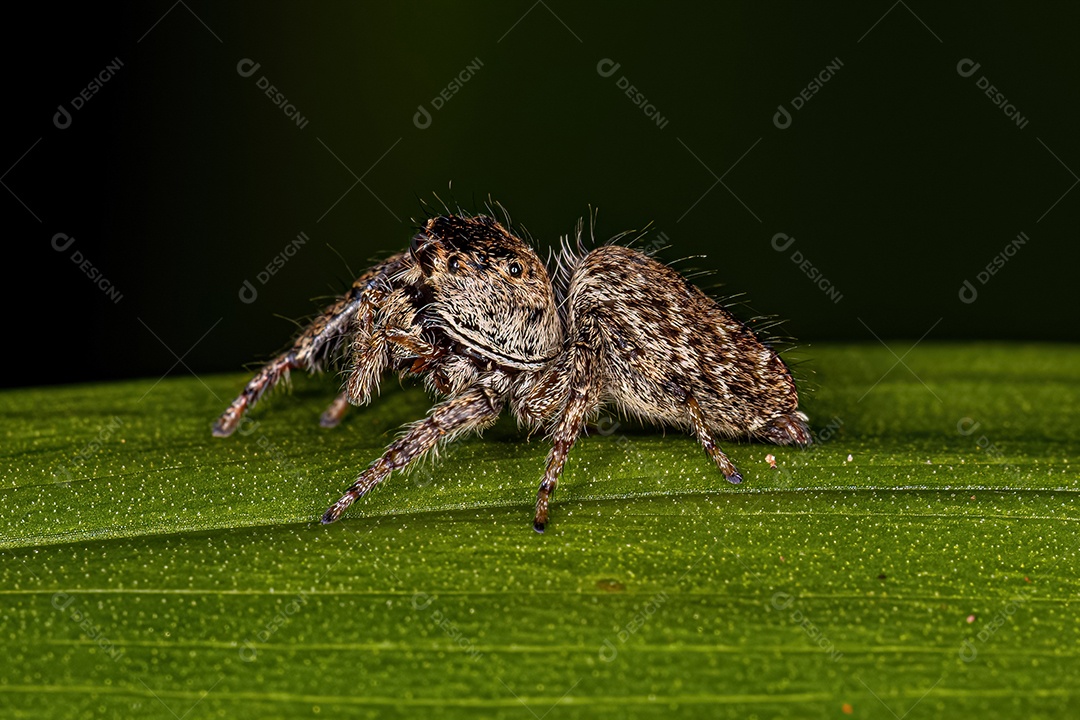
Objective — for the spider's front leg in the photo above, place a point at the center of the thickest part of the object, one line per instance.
(474, 409)
(315, 345)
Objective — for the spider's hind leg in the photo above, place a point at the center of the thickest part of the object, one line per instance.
(705, 437)
(575, 379)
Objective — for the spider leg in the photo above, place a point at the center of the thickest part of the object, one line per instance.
(472, 410)
(582, 400)
(371, 349)
(704, 436)
(331, 417)
(315, 345)
(266, 378)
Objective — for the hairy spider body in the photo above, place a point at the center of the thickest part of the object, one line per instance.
(473, 310)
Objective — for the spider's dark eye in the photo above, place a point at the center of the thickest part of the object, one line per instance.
(515, 268)
(481, 258)
(453, 264)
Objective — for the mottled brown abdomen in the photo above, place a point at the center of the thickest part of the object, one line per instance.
(662, 340)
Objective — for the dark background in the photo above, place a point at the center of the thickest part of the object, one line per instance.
(179, 179)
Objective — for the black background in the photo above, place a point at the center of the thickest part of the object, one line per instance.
(179, 179)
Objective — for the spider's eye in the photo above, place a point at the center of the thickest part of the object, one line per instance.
(453, 264)
(481, 258)
(515, 268)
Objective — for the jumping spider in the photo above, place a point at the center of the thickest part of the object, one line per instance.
(473, 310)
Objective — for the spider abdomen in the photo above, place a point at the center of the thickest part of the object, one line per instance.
(659, 340)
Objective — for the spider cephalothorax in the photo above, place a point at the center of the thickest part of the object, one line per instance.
(489, 290)
(472, 310)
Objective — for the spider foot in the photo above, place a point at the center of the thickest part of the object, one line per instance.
(226, 424)
(332, 416)
(338, 509)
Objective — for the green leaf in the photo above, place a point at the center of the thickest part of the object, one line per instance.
(920, 560)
